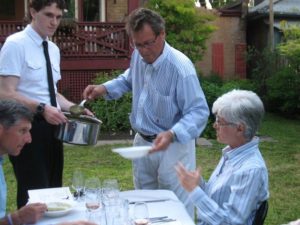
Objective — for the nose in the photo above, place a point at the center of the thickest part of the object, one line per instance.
(55, 21)
(28, 138)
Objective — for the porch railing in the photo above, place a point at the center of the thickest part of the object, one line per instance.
(82, 39)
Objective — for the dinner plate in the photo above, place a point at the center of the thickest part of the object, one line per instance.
(133, 152)
(56, 209)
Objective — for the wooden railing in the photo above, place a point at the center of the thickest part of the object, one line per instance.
(83, 39)
(9, 27)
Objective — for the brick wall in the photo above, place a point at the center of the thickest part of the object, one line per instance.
(116, 10)
(231, 33)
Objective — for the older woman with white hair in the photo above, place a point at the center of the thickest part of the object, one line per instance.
(239, 183)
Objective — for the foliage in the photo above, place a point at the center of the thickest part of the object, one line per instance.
(276, 74)
(213, 87)
(221, 3)
(290, 48)
(284, 91)
(187, 27)
(114, 114)
(281, 155)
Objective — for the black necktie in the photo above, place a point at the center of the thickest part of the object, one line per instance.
(49, 75)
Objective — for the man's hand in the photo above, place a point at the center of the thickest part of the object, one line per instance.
(94, 91)
(29, 214)
(188, 179)
(162, 141)
(54, 116)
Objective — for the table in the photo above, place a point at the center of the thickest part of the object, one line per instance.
(170, 206)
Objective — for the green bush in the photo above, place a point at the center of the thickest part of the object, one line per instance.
(213, 87)
(115, 113)
(187, 26)
(284, 91)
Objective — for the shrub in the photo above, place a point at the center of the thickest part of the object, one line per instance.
(213, 87)
(284, 91)
(187, 26)
(114, 114)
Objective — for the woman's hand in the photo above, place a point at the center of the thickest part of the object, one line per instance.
(188, 179)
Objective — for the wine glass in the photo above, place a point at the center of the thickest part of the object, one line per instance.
(110, 189)
(78, 183)
(92, 194)
(140, 213)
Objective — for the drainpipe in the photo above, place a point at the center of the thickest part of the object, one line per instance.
(271, 25)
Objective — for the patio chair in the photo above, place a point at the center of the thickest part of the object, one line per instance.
(261, 213)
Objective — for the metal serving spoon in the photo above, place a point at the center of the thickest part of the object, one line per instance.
(77, 110)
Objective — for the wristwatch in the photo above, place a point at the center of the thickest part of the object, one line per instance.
(40, 108)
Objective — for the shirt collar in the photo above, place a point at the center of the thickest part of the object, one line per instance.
(34, 35)
(158, 62)
(245, 149)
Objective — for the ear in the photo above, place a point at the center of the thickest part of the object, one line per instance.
(1, 130)
(241, 129)
(32, 12)
(163, 34)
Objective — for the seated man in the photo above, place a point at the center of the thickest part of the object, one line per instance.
(15, 124)
(239, 183)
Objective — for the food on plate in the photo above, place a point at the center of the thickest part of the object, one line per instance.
(58, 206)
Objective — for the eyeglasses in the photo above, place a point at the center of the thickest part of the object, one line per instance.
(147, 44)
(223, 124)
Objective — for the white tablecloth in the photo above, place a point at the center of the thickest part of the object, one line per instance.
(171, 207)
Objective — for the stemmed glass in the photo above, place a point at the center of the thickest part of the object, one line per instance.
(78, 183)
(92, 194)
(110, 189)
(140, 213)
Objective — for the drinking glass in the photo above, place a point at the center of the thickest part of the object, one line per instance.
(140, 213)
(110, 189)
(78, 183)
(92, 194)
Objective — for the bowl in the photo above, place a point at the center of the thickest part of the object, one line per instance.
(56, 209)
(133, 152)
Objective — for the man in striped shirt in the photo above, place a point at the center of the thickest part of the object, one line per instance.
(239, 184)
(169, 109)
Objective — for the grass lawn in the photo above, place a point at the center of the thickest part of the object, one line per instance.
(282, 156)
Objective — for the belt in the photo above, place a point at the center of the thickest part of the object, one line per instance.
(148, 138)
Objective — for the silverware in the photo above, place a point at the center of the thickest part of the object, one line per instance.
(150, 201)
(158, 218)
(163, 220)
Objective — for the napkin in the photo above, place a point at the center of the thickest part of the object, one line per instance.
(50, 195)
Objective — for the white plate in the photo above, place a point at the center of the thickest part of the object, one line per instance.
(56, 209)
(133, 152)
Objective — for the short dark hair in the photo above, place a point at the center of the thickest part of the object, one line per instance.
(12, 111)
(141, 16)
(40, 4)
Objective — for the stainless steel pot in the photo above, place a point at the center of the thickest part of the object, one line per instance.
(79, 130)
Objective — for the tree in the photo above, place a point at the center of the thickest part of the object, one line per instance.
(187, 26)
(290, 47)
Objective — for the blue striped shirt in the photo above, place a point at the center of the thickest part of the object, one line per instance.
(2, 191)
(166, 95)
(236, 188)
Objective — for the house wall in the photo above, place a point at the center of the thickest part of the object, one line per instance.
(230, 33)
(116, 10)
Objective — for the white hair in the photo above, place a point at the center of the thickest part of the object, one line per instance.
(241, 107)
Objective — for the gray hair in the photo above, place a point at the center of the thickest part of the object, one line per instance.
(141, 16)
(241, 107)
(12, 112)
